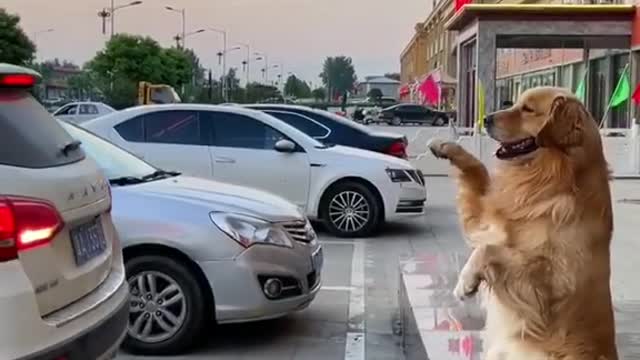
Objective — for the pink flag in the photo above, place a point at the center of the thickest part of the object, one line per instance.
(430, 91)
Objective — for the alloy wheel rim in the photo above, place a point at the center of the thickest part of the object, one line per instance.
(157, 307)
(349, 211)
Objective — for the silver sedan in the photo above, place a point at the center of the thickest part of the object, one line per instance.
(197, 250)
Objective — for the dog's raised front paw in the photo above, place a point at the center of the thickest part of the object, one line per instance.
(467, 286)
(442, 149)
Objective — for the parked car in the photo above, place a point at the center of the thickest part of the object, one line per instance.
(330, 128)
(352, 190)
(79, 112)
(197, 250)
(410, 113)
(64, 294)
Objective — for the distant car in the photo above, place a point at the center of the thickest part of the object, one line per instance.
(410, 113)
(79, 112)
(198, 250)
(64, 294)
(351, 190)
(334, 129)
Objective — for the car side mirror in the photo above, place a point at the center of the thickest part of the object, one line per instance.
(285, 145)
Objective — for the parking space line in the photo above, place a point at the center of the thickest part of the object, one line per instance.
(338, 288)
(338, 242)
(355, 341)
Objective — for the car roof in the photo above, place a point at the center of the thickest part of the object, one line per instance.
(14, 69)
(280, 106)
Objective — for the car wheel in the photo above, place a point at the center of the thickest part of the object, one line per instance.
(350, 209)
(440, 121)
(167, 309)
(396, 121)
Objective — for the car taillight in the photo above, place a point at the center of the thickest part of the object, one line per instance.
(26, 223)
(18, 80)
(398, 149)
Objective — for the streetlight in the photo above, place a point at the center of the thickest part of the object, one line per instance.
(223, 54)
(183, 12)
(113, 10)
(246, 62)
(178, 37)
(265, 57)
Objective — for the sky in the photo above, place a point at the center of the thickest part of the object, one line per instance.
(298, 34)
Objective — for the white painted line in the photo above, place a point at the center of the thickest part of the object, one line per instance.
(338, 242)
(338, 288)
(354, 348)
(355, 341)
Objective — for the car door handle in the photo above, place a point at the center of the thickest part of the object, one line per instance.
(225, 160)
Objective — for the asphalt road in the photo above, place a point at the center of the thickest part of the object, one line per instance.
(359, 296)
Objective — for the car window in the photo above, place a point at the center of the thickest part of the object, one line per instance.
(132, 129)
(30, 136)
(239, 131)
(323, 117)
(172, 127)
(112, 160)
(88, 109)
(302, 123)
(67, 110)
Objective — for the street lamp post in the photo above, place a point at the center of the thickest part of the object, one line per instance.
(113, 10)
(247, 70)
(265, 57)
(182, 12)
(224, 61)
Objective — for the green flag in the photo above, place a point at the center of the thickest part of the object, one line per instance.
(622, 91)
(580, 90)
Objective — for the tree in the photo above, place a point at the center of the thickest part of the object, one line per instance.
(15, 46)
(258, 92)
(83, 87)
(375, 94)
(296, 87)
(338, 75)
(129, 59)
(394, 76)
(319, 94)
(234, 91)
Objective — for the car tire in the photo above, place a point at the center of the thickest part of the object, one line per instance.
(396, 121)
(191, 309)
(358, 202)
(440, 121)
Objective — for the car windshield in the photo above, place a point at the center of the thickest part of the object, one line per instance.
(119, 166)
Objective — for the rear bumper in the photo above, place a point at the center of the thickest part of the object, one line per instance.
(100, 342)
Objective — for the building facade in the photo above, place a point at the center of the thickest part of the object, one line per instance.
(520, 69)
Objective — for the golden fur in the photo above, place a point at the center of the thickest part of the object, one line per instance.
(540, 229)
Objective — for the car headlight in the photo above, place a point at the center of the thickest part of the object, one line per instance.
(398, 175)
(248, 230)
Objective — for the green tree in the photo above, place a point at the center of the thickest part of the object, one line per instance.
(83, 87)
(235, 92)
(319, 94)
(338, 75)
(129, 59)
(15, 46)
(259, 92)
(375, 94)
(296, 87)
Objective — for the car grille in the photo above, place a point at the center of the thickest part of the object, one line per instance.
(300, 231)
(417, 176)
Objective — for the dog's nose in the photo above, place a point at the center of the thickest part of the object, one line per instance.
(488, 120)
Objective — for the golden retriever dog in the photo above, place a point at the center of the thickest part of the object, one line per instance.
(540, 229)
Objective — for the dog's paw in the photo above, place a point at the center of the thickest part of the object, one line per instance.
(467, 286)
(442, 149)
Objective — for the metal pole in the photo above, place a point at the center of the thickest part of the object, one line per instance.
(266, 69)
(184, 28)
(113, 17)
(248, 68)
(225, 94)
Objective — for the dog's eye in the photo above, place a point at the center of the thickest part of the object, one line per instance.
(527, 109)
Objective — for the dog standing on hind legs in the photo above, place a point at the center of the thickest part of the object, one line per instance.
(540, 229)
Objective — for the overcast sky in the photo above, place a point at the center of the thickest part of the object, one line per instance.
(297, 33)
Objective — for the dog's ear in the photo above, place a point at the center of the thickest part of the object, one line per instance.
(564, 127)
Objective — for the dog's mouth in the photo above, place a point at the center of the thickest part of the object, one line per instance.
(510, 150)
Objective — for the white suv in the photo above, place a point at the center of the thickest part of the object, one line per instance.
(351, 190)
(63, 293)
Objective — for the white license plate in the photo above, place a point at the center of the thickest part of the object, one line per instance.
(317, 260)
(88, 241)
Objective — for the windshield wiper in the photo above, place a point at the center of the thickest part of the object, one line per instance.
(160, 174)
(125, 180)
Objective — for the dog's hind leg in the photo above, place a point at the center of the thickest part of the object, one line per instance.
(473, 183)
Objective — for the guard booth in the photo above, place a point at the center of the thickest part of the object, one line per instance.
(482, 29)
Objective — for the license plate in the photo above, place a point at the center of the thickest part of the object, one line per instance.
(88, 241)
(317, 260)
